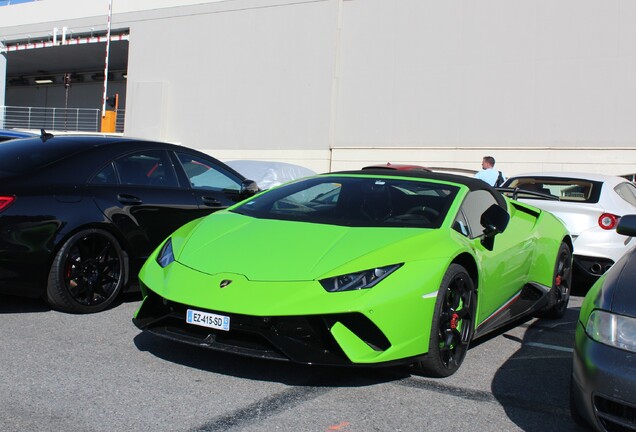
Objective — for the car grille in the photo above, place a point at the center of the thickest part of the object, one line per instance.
(302, 339)
(615, 416)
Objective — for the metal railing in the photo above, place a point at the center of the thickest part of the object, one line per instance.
(119, 124)
(56, 119)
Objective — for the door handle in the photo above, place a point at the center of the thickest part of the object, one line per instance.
(129, 199)
(212, 202)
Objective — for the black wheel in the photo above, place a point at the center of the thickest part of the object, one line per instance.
(561, 284)
(453, 324)
(87, 274)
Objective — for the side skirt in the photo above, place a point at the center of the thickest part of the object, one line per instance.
(530, 299)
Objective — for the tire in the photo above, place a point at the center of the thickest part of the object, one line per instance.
(87, 273)
(561, 284)
(453, 324)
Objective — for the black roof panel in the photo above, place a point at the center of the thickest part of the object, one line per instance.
(471, 182)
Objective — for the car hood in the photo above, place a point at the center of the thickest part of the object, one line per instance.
(614, 291)
(274, 250)
(623, 301)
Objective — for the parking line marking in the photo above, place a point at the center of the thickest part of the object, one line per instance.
(552, 347)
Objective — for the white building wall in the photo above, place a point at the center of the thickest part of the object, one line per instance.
(238, 81)
(537, 84)
(336, 84)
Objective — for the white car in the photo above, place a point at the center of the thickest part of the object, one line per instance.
(590, 205)
(268, 174)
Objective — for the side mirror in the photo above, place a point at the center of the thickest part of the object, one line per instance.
(627, 225)
(249, 188)
(494, 220)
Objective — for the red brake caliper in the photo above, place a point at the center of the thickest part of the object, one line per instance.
(453, 321)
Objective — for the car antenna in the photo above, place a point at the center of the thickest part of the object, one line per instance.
(44, 135)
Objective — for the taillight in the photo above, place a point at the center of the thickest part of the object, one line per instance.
(5, 201)
(608, 221)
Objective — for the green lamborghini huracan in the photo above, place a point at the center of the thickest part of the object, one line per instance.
(363, 267)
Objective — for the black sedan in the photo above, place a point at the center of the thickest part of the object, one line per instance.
(603, 385)
(80, 214)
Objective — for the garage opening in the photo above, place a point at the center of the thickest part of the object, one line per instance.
(58, 83)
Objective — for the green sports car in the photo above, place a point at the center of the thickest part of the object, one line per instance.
(358, 268)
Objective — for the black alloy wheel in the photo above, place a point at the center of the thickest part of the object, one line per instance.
(561, 284)
(88, 272)
(453, 324)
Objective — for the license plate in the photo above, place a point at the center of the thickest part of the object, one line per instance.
(206, 319)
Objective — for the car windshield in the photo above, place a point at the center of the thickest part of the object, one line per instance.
(356, 201)
(566, 189)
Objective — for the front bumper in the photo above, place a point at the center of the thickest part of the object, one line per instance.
(604, 384)
(301, 339)
(293, 320)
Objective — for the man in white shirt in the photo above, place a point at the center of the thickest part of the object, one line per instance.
(489, 174)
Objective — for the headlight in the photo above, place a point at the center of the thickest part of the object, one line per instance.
(165, 256)
(614, 330)
(357, 281)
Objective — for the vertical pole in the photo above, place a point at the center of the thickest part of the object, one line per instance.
(110, 12)
(3, 84)
(67, 84)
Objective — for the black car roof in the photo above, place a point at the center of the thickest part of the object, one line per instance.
(84, 140)
(64, 145)
(70, 144)
(68, 147)
(73, 142)
(22, 156)
(471, 183)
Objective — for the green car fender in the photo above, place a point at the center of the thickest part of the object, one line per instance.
(178, 238)
(410, 335)
(549, 237)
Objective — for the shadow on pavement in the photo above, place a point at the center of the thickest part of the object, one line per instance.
(532, 385)
(13, 304)
(10, 304)
(266, 370)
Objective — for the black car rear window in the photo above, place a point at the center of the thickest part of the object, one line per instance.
(25, 155)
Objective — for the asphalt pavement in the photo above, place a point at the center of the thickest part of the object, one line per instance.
(63, 372)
